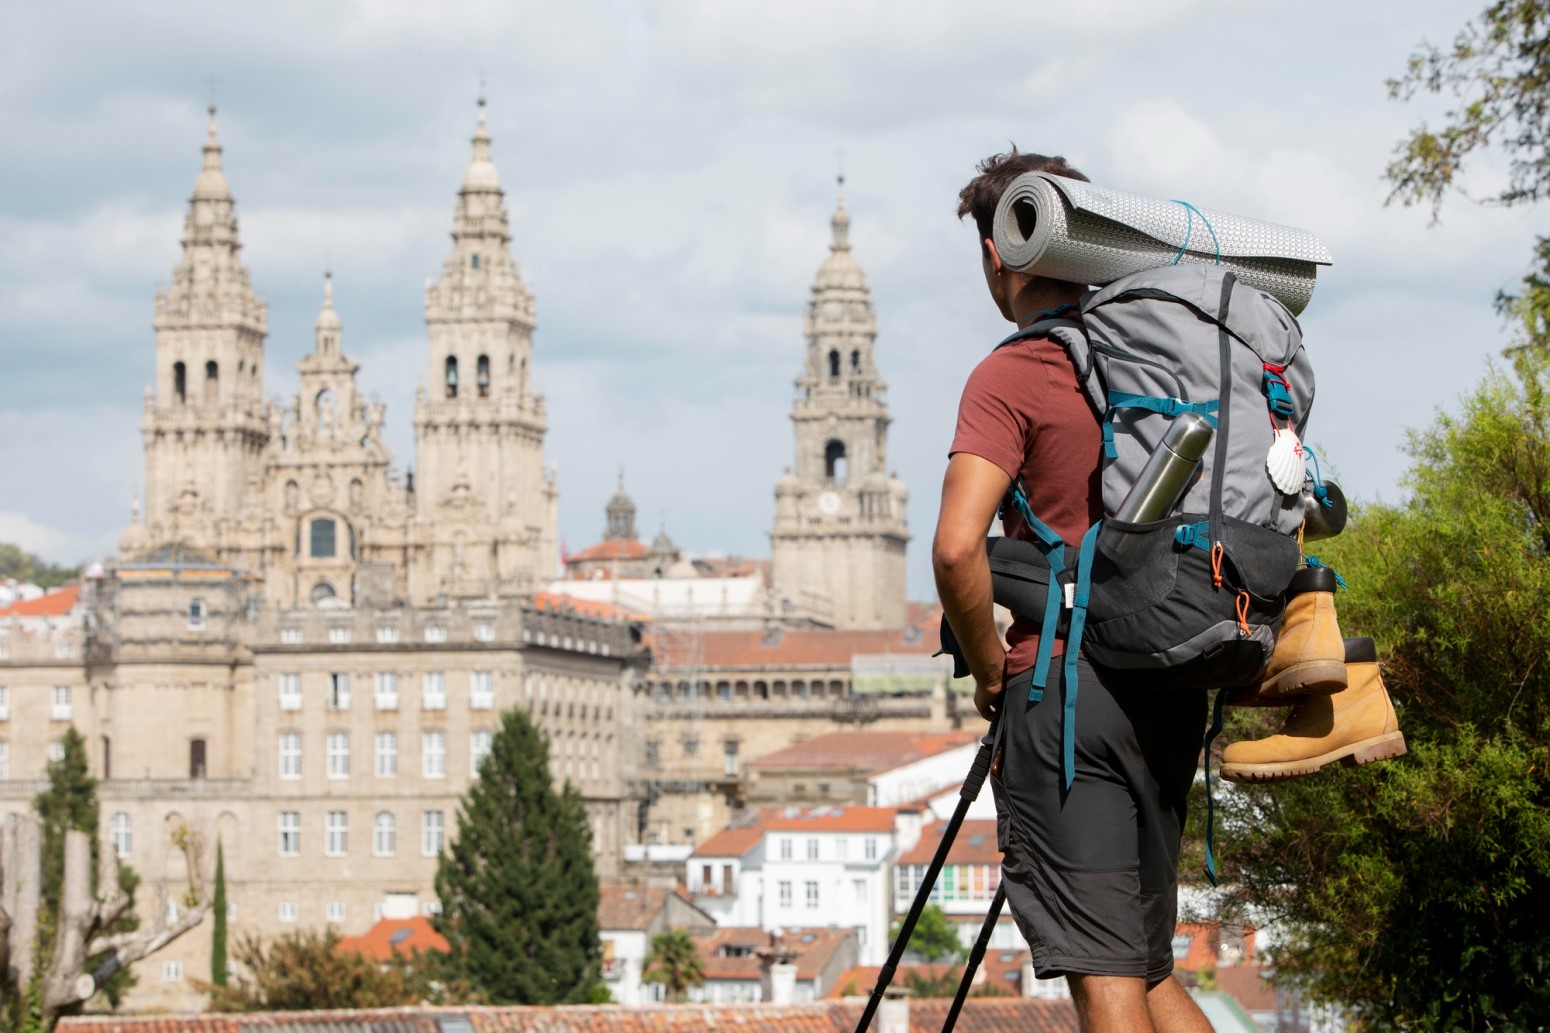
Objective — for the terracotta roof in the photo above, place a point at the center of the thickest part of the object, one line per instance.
(974, 844)
(1001, 967)
(557, 603)
(733, 841)
(612, 549)
(831, 819)
(636, 907)
(406, 935)
(1249, 985)
(980, 1015)
(807, 648)
(814, 948)
(1204, 942)
(51, 604)
(862, 752)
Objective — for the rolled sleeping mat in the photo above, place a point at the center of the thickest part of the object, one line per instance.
(1066, 229)
(1019, 576)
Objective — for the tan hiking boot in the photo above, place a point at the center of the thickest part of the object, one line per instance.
(1356, 725)
(1309, 657)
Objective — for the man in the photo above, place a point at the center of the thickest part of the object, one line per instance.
(1090, 871)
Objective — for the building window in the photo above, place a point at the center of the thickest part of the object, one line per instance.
(785, 848)
(288, 911)
(339, 634)
(840, 847)
(56, 750)
(290, 835)
(5, 761)
(122, 835)
(691, 747)
(473, 261)
(5, 703)
(387, 633)
(180, 382)
(290, 636)
(196, 758)
(812, 848)
(433, 833)
(171, 971)
(338, 754)
(435, 633)
(335, 912)
(484, 632)
(434, 755)
(322, 543)
(481, 690)
(196, 614)
(449, 373)
(871, 848)
(290, 692)
(729, 757)
(290, 755)
(812, 893)
(338, 691)
(434, 696)
(482, 375)
(384, 834)
(387, 690)
(785, 893)
(653, 753)
(336, 834)
(478, 750)
(59, 706)
(387, 754)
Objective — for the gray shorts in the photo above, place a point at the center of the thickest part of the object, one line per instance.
(1091, 873)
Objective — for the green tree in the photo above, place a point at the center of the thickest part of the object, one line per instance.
(307, 971)
(518, 892)
(24, 566)
(218, 933)
(674, 962)
(1413, 889)
(934, 937)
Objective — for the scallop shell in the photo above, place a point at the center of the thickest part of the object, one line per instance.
(1285, 462)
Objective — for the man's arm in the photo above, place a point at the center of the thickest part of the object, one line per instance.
(971, 493)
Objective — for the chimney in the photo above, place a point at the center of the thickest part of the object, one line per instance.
(893, 1015)
(778, 971)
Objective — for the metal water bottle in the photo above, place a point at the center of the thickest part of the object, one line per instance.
(1167, 473)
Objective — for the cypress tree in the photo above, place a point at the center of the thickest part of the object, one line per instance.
(518, 891)
(218, 934)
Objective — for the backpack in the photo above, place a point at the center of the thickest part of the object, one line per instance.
(1193, 600)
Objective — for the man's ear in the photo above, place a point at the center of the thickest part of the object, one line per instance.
(994, 256)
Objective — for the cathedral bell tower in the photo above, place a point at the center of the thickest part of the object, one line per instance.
(481, 483)
(205, 427)
(840, 531)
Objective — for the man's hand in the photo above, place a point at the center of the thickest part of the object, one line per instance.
(971, 492)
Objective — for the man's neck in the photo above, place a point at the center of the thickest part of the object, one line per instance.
(1042, 295)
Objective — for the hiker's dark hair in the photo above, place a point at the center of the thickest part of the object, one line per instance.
(996, 173)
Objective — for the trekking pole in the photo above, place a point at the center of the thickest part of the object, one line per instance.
(975, 957)
(966, 796)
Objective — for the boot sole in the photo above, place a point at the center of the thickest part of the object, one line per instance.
(1309, 678)
(1380, 747)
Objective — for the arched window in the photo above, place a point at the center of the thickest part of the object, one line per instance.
(451, 375)
(212, 383)
(834, 462)
(482, 376)
(196, 758)
(323, 594)
(324, 406)
(834, 363)
(855, 361)
(323, 538)
(292, 496)
(180, 382)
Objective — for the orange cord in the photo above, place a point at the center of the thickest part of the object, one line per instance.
(1216, 564)
(1243, 612)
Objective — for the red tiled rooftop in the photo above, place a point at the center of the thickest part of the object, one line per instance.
(974, 844)
(833, 819)
(814, 948)
(612, 549)
(868, 752)
(980, 1015)
(406, 935)
(557, 603)
(634, 907)
(56, 603)
(731, 842)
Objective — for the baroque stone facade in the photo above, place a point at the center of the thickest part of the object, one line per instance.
(301, 653)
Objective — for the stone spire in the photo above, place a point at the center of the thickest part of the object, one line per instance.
(481, 176)
(211, 184)
(328, 325)
(621, 514)
(839, 223)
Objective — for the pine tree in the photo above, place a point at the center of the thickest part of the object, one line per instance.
(218, 934)
(518, 892)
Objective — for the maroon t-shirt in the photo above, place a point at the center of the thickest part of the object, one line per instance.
(1023, 410)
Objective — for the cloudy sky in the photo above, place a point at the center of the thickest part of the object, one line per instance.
(669, 170)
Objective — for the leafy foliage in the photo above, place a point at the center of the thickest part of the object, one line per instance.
(24, 566)
(1412, 887)
(674, 962)
(518, 892)
(306, 971)
(934, 937)
(1498, 69)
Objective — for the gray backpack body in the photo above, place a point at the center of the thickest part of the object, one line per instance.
(1193, 600)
